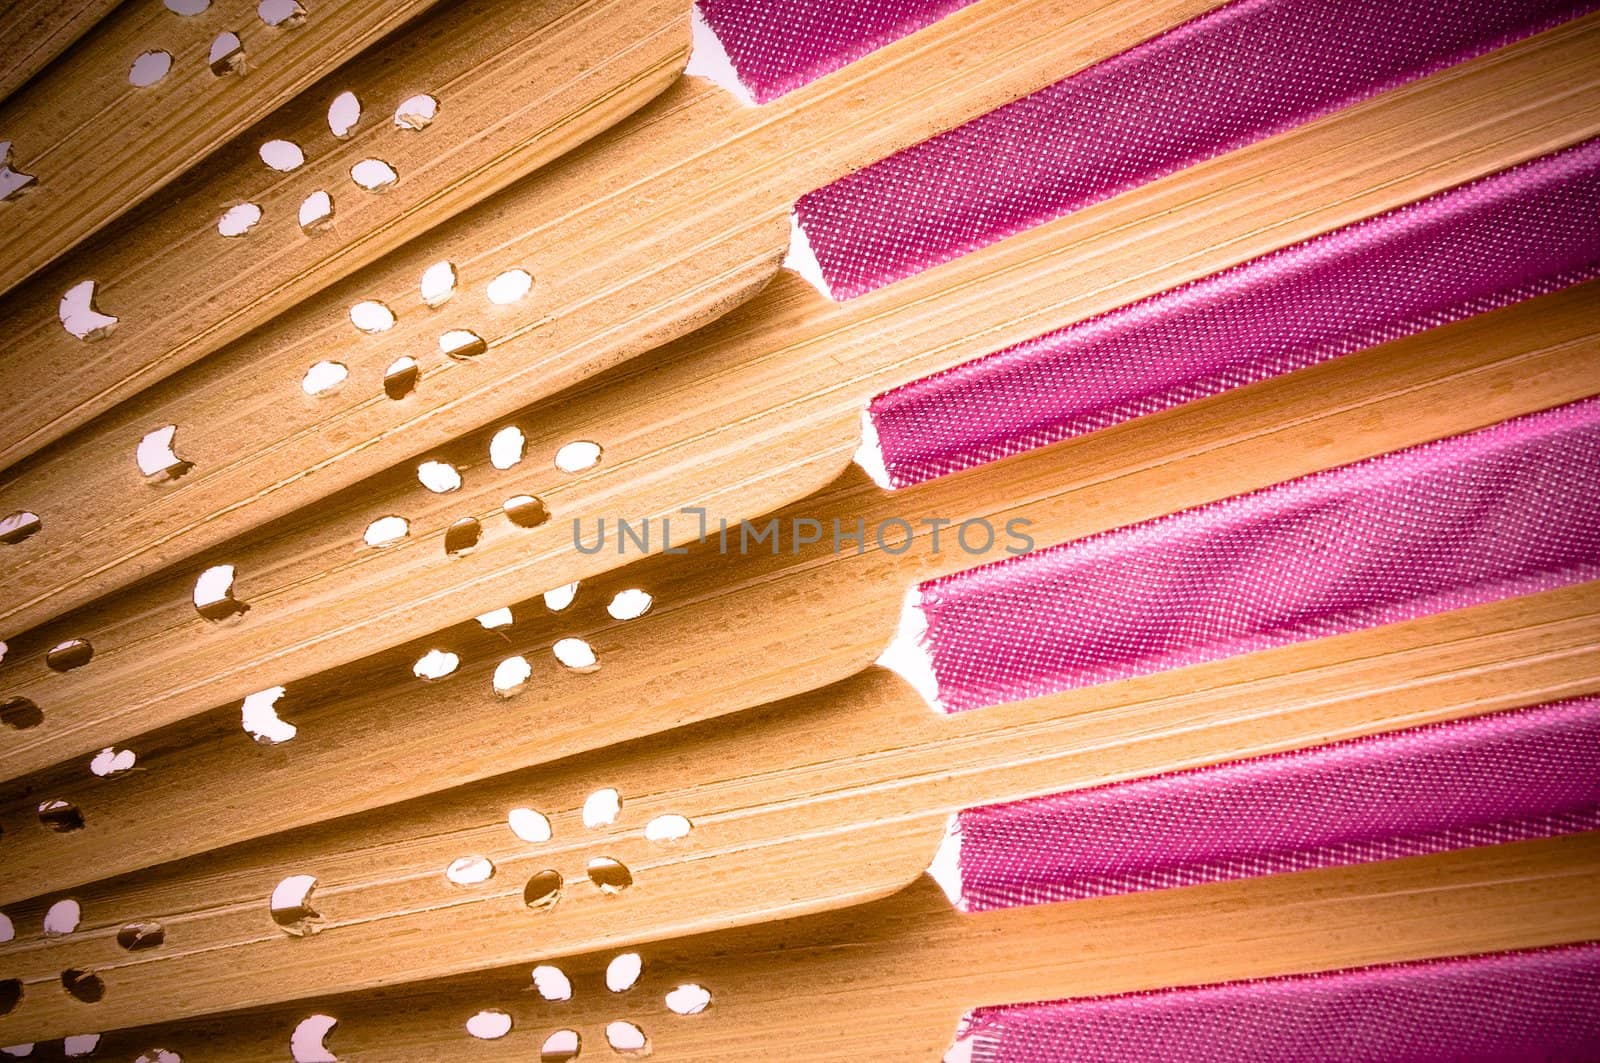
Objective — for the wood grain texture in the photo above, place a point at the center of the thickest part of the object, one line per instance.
(821, 801)
(724, 420)
(34, 32)
(726, 632)
(97, 144)
(887, 980)
(650, 232)
(517, 85)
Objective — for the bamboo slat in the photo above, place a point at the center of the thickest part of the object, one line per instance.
(33, 32)
(139, 100)
(740, 420)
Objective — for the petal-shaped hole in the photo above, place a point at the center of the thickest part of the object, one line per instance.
(285, 13)
(149, 68)
(80, 317)
(510, 286)
(113, 761)
(238, 220)
(461, 343)
(462, 536)
(439, 477)
(63, 817)
(489, 1024)
(505, 449)
(159, 1055)
(79, 1045)
(259, 716)
(669, 828)
(543, 890)
(622, 973)
(282, 155)
(343, 114)
(690, 999)
(577, 655)
(560, 1047)
(626, 1039)
(83, 985)
(494, 618)
(529, 825)
(552, 983)
(435, 664)
(156, 458)
(611, 876)
(62, 917)
(438, 283)
(136, 937)
(16, 527)
(227, 55)
(416, 112)
(308, 1043)
(601, 808)
(187, 7)
(65, 656)
(374, 175)
(630, 604)
(401, 377)
(386, 531)
(470, 870)
(291, 906)
(19, 714)
(511, 676)
(371, 316)
(561, 597)
(324, 378)
(526, 511)
(316, 212)
(213, 594)
(578, 456)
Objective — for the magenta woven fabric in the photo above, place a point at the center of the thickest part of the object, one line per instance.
(776, 46)
(1232, 76)
(1507, 776)
(1516, 234)
(1509, 1007)
(1511, 509)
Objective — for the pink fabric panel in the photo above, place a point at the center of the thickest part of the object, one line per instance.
(1520, 233)
(1504, 777)
(1232, 76)
(776, 46)
(1508, 510)
(1510, 1007)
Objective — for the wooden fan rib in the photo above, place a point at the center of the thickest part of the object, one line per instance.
(827, 799)
(707, 647)
(892, 976)
(516, 86)
(34, 32)
(97, 144)
(752, 427)
(657, 229)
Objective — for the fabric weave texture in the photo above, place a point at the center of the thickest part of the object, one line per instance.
(1510, 1007)
(1503, 777)
(1232, 76)
(1504, 511)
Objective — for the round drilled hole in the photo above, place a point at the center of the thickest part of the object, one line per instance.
(630, 604)
(510, 286)
(552, 983)
(462, 343)
(316, 211)
(462, 536)
(489, 1025)
(438, 283)
(529, 825)
(561, 597)
(10, 994)
(690, 999)
(416, 112)
(668, 828)
(505, 449)
(626, 1039)
(282, 155)
(187, 7)
(435, 664)
(576, 655)
(374, 175)
(401, 377)
(324, 378)
(213, 594)
(136, 937)
(83, 985)
(286, 14)
(80, 1044)
(610, 876)
(149, 68)
(65, 656)
(578, 456)
(386, 531)
(439, 477)
(601, 808)
(525, 511)
(622, 973)
(511, 676)
(63, 817)
(470, 870)
(62, 917)
(494, 618)
(371, 316)
(561, 1047)
(19, 714)
(343, 114)
(239, 219)
(227, 55)
(543, 890)
(18, 526)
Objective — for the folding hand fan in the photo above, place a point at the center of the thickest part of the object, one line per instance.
(1223, 389)
(153, 88)
(888, 979)
(757, 423)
